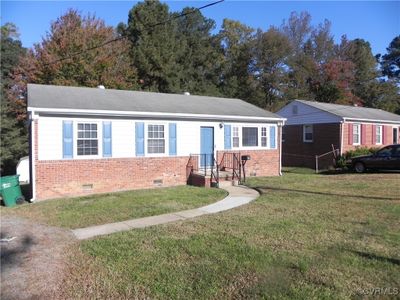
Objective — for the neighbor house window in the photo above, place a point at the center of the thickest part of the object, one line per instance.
(356, 134)
(235, 137)
(308, 133)
(378, 135)
(87, 143)
(263, 136)
(250, 136)
(295, 110)
(155, 139)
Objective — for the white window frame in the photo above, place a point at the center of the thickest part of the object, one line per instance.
(99, 139)
(265, 136)
(258, 137)
(305, 140)
(378, 129)
(166, 138)
(358, 126)
(235, 129)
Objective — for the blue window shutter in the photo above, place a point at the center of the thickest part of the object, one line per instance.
(139, 129)
(107, 146)
(172, 138)
(68, 139)
(227, 137)
(272, 134)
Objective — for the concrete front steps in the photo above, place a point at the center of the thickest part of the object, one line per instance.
(225, 179)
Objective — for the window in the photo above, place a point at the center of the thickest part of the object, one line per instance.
(295, 110)
(356, 134)
(263, 136)
(235, 137)
(308, 133)
(283, 133)
(155, 139)
(250, 136)
(378, 135)
(87, 139)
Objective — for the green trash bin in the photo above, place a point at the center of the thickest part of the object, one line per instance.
(10, 190)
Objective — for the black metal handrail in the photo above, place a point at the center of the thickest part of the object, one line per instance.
(231, 160)
(203, 164)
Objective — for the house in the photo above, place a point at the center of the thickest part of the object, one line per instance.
(313, 127)
(96, 140)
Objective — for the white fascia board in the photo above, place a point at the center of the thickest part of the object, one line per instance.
(151, 114)
(370, 120)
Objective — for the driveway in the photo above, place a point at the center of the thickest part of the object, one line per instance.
(33, 263)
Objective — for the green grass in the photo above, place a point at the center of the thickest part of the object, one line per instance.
(307, 237)
(114, 207)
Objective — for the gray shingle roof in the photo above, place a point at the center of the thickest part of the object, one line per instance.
(82, 98)
(354, 112)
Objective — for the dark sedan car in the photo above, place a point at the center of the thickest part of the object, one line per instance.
(387, 158)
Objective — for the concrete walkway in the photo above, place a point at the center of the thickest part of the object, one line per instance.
(238, 195)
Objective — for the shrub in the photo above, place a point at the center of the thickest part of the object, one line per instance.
(341, 159)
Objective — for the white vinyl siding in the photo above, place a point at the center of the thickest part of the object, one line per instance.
(50, 137)
(306, 115)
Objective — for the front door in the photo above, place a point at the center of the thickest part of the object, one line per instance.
(206, 146)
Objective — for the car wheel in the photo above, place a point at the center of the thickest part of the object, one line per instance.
(359, 167)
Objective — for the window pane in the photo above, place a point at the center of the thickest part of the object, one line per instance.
(236, 142)
(263, 142)
(250, 136)
(87, 143)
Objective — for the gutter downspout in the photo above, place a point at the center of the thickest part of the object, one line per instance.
(341, 137)
(280, 126)
(33, 156)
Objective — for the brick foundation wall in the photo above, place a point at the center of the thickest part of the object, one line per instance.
(262, 162)
(296, 153)
(65, 178)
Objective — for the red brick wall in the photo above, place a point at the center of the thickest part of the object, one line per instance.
(262, 162)
(62, 178)
(297, 153)
(367, 142)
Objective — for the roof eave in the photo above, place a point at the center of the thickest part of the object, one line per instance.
(345, 119)
(87, 112)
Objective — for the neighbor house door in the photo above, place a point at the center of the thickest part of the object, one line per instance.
(206, 146)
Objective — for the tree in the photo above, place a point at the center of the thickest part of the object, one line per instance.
(70, 34)
(390, 62)
(13, 133)
(155, 49)
(237, 41)
(201, 54)
(271, 53)
(358, 51)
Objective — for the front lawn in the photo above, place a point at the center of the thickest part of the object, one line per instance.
(114, 207)
(307, 237)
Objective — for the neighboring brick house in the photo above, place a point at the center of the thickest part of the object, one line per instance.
(313, 127)
(94, 140)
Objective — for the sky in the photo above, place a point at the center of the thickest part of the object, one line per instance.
(378, 22)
